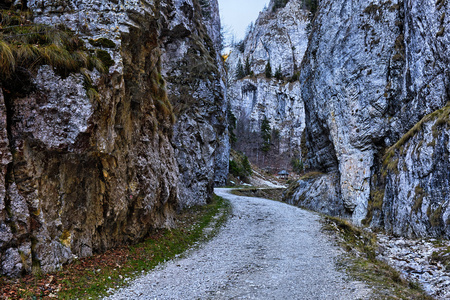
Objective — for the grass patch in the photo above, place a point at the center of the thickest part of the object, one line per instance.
(361, 263)
(291, 190)
(311, 175)
(91, 277)
(272, 194)
(418, 199)
(441, 117)
(25, 45)
(442, 256)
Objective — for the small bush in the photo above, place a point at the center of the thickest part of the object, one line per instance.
(279, 73)
(268, 70)
(297, 165)
(240, 167)
(295, 77)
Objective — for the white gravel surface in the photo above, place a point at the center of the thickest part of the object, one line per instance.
(266, 250)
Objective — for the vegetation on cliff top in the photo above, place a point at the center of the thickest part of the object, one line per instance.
(25, 46)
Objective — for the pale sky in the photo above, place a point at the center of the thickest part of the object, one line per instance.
(236, 15)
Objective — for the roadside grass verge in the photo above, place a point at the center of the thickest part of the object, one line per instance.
(267, 193)
(92, 277)
(361, 264)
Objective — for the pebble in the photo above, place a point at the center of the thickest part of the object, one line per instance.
(266, 250)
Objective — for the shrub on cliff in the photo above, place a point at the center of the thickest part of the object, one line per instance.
(240, 166)
(279, 73)
(279, 4)
(297, 165)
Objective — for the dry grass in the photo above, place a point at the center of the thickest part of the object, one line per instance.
(266, 193)
(360, 263)
(25, 45)
(441, 116)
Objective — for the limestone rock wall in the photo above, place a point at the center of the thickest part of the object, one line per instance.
(80, 175)
(253, 99)
(411, 192)
(372, 71)
(281, 38)
(194, 72)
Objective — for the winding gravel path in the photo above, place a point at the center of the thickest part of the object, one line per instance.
(266, 250)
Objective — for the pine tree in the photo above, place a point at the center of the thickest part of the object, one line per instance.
(232, 121)
(279, 73)
(279, 4)
(265, 135)
(247, 68)
(268, 70)
(240, 70)
(246, 167)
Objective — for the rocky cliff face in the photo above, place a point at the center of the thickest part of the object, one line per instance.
(192, 66)
(372, 71)
(278, 36)
(82, 174)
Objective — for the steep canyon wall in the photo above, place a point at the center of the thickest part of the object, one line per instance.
(279, 37)
(375, 82)
(82, 174)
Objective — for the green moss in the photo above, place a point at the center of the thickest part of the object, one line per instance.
(442, 256)
(291, 190)
(392, 165)
(91, 90)
(435, 215)
(375, 202)
(377, 196)
(418, 199)
(102, 42)
(311, 175)
(105, 58)
(36, 268)
(303, 146)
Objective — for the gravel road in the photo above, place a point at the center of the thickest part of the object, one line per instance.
(266, 250)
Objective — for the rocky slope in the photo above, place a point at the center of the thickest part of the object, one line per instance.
(82, 174)
(375, 86)
(278, 36)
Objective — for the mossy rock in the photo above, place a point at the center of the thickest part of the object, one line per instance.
(102, 42)
(105, 58)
